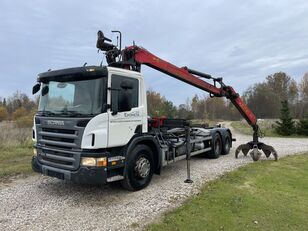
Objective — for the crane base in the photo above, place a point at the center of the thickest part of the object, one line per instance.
(255, 153)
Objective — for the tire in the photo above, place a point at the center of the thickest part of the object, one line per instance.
(216, 147)
(139, 169)
(227, 145)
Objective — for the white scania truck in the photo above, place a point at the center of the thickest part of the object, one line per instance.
(92, 125)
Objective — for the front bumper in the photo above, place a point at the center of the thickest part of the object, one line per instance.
(84, 175)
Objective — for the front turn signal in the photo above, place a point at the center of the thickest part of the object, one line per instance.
(101, 162)
(94, 162)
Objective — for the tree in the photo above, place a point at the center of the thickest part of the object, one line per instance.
(232, 113)
(302, 106)
(19, 100)
(159, 106)
(303, 86)
(198, 107)
(262, 100)
(286, 124)
(216, 108)
(293, 91)
(184, 112)
(20, 112)
(169, 110)
(3, 113)
(302, 127)
(280, 84)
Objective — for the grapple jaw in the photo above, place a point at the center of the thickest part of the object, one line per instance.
(255, 146)
(255, 153)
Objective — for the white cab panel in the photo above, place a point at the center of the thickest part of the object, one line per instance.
(34, 129)
(122, 126)
(99, 127)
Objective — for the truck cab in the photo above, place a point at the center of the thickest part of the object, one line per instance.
(84, 112)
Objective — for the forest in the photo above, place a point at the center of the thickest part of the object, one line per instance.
(264, 98)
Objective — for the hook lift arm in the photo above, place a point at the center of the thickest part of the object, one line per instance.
(133, 57)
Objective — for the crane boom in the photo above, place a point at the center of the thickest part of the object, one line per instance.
(142, 56)
(133, 57)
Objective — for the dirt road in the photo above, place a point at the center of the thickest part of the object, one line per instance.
(43, 203)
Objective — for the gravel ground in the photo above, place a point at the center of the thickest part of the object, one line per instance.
(43, 203)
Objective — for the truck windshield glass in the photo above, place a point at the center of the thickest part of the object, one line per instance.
(74, 98)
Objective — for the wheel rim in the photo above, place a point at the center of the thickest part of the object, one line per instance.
(217, 147)
(227, 145)
(142, 167)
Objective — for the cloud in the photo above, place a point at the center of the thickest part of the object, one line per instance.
(242, 41)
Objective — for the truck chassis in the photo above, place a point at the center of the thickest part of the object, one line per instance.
(167, 141)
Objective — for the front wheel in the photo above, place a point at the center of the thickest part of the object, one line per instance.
(139, 169)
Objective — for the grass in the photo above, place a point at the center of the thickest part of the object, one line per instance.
(265, 195)
(15, 150)
(266, 126)
(15, 160)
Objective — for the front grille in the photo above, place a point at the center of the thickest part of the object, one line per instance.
(55, 137)
(59, 158)
(56, 161)
(67, 140)
(57, 130)
(59, 146)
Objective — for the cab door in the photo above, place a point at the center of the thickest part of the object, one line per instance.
(125, 114)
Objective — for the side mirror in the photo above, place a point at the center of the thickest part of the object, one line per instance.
(45, 90)
(36, 88)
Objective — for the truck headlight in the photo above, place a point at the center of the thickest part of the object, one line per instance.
(88, 161)
(92, 161)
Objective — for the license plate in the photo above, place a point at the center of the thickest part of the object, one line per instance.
(55, 174)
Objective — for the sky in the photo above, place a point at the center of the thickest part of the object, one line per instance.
(242, 41)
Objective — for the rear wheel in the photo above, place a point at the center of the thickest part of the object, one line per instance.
(227, 145)
(140, 168)
(216, 147)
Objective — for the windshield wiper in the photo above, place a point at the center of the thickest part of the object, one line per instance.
(73, 113)
(46, 113)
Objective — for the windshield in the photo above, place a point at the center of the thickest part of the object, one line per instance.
(74, 98)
